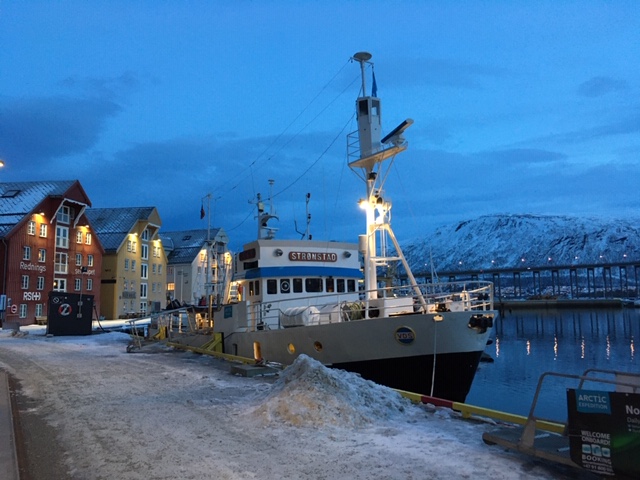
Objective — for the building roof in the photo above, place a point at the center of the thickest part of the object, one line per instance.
(184, 246)
(113, 224)
(19, 199)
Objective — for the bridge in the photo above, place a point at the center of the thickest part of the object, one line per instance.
(591, 281)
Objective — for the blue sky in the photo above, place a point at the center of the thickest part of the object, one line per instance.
(518, 107)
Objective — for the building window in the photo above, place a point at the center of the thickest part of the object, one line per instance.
(61, 263)
(143, 307)
(134, 246)
(143, 290)
(23, 310)
(153, 287)
(145, 235)
(126, 264)
(26, 253)
(62, 237)
(144, 251)
(144, 270)
(78, 259)
(40, 283)
(156, 251)
(153, 268)
(77, 284)
(129, 245)
(25, 282)
(126, 286)
(159, 269)
(42, 255)
(89, 284)
(59, 284)
(133, 265)
(39, 309)
(64, 214)
(87, 238)
(90, 260)
(43, 230)
(31, 227)
(79, 236)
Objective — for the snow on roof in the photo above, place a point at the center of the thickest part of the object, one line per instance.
(18, 199)
(184, 246)
(113, 224)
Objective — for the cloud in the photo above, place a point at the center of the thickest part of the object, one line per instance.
(599, 86)
(34, 130)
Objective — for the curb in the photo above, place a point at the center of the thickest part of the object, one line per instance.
(8, 455)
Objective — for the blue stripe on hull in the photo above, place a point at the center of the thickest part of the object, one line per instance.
(454, 373)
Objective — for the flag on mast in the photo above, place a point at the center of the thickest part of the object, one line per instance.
(202, 213)
(374, 85)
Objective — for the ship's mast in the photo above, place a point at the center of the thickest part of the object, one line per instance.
(373, 151)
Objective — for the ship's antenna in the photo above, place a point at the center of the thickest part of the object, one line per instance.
(306, 232)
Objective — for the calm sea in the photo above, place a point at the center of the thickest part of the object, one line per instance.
(528, 343)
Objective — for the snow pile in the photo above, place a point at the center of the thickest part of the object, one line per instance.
(310, 394)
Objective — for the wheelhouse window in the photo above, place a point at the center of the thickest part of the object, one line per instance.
(272, 286)
(340, 286)
(312, 285)
(297, 285)
(351, 285)
(329, 285)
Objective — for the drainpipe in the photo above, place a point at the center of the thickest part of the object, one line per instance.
(4, 276)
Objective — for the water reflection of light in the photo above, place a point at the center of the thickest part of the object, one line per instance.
(633, 348)
(497, 347)
(555, 347)
(582, 347)
(528, 347)
(608, 347)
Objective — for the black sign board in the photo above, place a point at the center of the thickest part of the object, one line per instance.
(604, 431)
(69, 314)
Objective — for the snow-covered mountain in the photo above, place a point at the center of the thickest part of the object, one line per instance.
(512, 241)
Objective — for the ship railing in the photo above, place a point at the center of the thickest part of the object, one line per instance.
(348, 306)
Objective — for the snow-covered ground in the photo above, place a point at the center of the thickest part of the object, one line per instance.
(165, 414)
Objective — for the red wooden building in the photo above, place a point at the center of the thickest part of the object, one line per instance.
(46, 244)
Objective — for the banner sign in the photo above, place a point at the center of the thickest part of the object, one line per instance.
(604, 431)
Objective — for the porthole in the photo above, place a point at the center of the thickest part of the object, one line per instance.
(285, 287)
(317, 346)
(291, 348)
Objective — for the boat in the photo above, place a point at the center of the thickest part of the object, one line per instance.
(337, 303)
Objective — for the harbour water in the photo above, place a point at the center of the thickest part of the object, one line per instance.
(528, 343)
